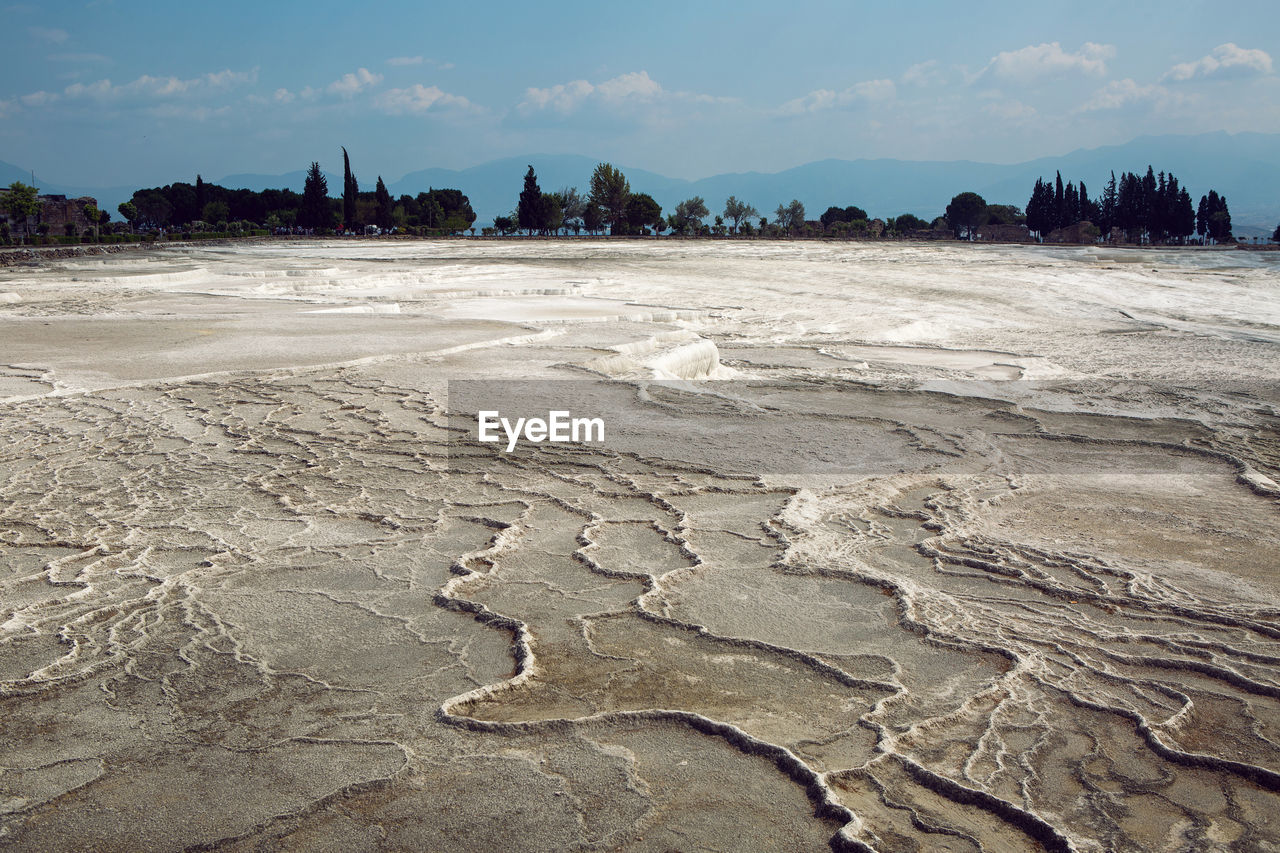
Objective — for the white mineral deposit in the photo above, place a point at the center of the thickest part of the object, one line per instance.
(999, 570)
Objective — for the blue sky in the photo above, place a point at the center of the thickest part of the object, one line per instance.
(105, 92)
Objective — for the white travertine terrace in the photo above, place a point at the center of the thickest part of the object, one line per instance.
(252, 598)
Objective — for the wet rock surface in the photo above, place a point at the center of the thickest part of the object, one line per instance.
(256, 593)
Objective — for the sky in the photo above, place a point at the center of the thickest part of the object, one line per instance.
(113, 92)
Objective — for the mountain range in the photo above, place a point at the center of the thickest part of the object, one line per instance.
(1243, 166)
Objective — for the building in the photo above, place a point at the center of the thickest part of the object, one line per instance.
(55, 211)
(1005, 233)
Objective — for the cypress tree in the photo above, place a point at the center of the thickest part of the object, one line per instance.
(1184, 220)
(314, 212)
(1038, 208)
(1059, 205)
(350, 189)
(529, 208)
(384, 204)
(1108, 211)
(1147, 201)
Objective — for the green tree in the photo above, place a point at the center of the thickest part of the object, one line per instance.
(215, 211)
(550, 216)
(1275, 235)
(689, 215)
(154, 208)
(1005, 214)
(643, 212)
(384, 205)
(966, 213)
(908, 222)
(529, 207)
(852, 213)
(21, 203)
(350, 190)
(93, 216)
(572, 207)
(314, 212)
(591, 219)
(610, 193)
(128, 212)
(789, 217)
(738, 211)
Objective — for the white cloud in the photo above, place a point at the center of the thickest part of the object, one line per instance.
(150, 87)
(1049, 59)
(827, 99)
(405, 60)
(562, 97)
(1227, 60)
(39, 99)
(928, 73)
(100, 89)
(637, 84)
(418, 99)
(625, 90)
(49, 34)
(350, 84)
(1119, 94)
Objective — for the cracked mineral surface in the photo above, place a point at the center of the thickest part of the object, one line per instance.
(906, 548)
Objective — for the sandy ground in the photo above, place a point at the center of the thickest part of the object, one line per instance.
(893, 547)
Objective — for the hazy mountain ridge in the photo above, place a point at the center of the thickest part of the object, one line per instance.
(1244, 166)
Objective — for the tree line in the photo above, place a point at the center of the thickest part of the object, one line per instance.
(210, 207)
(610, 206)
(1153, 208)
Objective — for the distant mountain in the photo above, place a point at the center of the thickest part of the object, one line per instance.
(108, 197)
(1243, 166)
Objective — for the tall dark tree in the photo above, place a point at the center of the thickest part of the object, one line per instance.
(610, 192)
(1183, 222)
(1129, 206)
(201, 200)
(1217, 217)
(1040, 209)
(384, 205)
(1107, 209)
(966, 213)
(1149, 202)
(1059, 205)
(643, 212)
(314, 212)
(529, 208)
(350, 189)
(1070, 206)
(592, 219)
